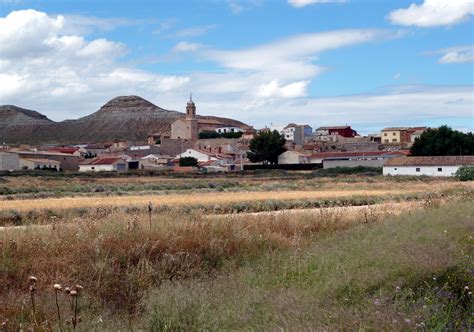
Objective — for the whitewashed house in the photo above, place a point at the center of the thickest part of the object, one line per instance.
(431, 166)
(205, 156)
(229, 129)
(105, 164)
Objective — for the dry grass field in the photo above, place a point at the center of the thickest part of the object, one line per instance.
(286, 260)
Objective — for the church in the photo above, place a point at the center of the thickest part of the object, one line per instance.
(186, 128)
(190, 127)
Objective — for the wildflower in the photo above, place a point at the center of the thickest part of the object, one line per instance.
(466, 287)
(78, 288)
(408, 321)
(377, 302)
(57, 287)
(67, 290)
(73, 293)
(33, 279)
(397, 288)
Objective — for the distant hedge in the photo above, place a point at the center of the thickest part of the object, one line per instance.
(360, 170)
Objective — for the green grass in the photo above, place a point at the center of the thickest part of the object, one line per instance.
(409, 272)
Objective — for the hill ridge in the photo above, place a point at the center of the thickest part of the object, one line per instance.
(123, 117)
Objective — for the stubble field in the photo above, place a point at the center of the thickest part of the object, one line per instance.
(278, 251)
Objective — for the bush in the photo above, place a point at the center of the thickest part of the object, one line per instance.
(188, 161)
(465, 173)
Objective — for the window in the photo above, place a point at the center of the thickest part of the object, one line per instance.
(385, 140)
(440, 169)
(417, 169)
(385, 134)
(394, 134)
(394, 140)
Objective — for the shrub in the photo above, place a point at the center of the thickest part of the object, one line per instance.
(188, 161)
(465, 173)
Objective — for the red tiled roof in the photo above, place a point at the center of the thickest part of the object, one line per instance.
(359, 154)
(431, 161)
(101, 161)
(63, 150)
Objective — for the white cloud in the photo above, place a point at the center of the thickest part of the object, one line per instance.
(304, 3)
(186, 47)
(275, 89)
(462, 54)
(454, 55)
(433, 13)
(46, 68)
(192, 32)
(293, 58)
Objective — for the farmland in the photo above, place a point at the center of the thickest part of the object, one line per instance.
(271, 251)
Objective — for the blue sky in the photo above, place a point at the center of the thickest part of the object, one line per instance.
(366, 63)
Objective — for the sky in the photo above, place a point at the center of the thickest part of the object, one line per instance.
(367, 63)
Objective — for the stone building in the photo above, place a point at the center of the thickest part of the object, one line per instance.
(186, 128)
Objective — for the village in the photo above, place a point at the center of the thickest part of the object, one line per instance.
(222, 147)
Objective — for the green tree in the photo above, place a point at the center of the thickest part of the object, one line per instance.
(443, 141)
(188, 161)
(266, 147)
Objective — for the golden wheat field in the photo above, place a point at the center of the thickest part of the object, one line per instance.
(186, 199)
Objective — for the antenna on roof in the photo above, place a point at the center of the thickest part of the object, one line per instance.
(190, 96)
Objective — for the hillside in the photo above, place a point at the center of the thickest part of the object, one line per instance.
(125, 117)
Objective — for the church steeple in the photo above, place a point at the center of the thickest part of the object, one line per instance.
(190, 108)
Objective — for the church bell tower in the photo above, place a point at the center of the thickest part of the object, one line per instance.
(192, 131)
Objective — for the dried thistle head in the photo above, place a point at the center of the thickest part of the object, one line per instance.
(33, 279)
(67, 290)
(73, 293)
(57, 287)
(32, 288)
(78, 287)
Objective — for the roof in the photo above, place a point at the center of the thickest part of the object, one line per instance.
(43, 161)
(333, 127)
(210, 121)
(394, 128)
(431, 161)
(101, 161)
(323, 155)
(41, 153)
(67, 150)
(294, 125)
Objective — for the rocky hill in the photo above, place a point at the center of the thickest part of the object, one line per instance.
(126, 117)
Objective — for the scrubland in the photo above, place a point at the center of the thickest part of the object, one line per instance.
(401, 264)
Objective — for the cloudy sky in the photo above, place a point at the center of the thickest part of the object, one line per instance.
(367, 63)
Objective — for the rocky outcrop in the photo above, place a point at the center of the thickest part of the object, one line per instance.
(122, 118)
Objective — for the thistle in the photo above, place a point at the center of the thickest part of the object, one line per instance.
(57, 289)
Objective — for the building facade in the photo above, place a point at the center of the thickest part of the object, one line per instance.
(430, 166)
(186, 128)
